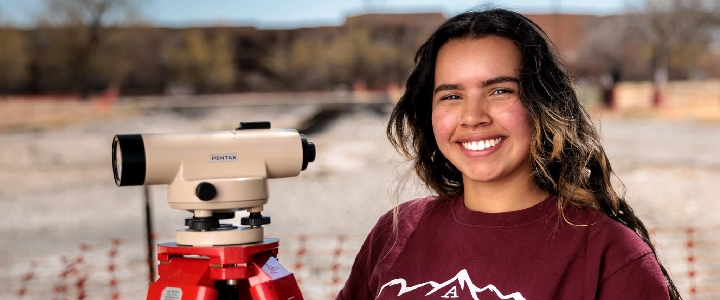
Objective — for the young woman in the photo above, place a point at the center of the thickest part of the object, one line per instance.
(524, 205)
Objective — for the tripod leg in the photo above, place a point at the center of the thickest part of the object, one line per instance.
(226, 292)
(273, 281)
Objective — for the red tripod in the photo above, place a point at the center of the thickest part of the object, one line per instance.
(249, 271)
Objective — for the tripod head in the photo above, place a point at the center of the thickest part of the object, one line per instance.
(213, 175)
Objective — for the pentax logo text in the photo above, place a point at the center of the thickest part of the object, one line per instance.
(223, 157)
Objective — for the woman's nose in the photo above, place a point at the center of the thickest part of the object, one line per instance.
(475, 113)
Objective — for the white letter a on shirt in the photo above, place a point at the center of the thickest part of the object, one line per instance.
(452, 293)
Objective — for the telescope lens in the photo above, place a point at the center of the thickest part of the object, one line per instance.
(128, 159)
(117, 160)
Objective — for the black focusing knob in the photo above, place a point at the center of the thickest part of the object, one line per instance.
(205, 191)
(255, 220)
(203, 223)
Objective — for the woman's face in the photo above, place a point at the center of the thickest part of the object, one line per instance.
(479, 122)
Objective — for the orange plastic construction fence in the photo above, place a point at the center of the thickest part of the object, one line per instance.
(321, 263)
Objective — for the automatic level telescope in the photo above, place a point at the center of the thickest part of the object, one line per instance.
(213, 175)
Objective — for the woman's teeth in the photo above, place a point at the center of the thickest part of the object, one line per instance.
(481, 145)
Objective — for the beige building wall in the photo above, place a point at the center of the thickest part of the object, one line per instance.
(698, 98)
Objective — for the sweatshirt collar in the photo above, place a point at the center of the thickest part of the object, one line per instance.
(464, 216)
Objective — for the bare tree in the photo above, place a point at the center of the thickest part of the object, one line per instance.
(677, 33)
(358, 56)
(200, 60)
(14, 59)
(306, 62)
(353, 56)
(88, 22)
(601, 50)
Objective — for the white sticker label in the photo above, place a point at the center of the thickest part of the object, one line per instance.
(171, 293)
(223, 157)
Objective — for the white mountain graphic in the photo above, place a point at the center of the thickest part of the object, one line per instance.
(462, 278)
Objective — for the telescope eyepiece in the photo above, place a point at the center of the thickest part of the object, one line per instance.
(309, 152)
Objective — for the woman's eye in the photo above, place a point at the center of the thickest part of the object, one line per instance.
(450, 97)
(501, 91)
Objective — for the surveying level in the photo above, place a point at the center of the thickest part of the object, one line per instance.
(214, 175)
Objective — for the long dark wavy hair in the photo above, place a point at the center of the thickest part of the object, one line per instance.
(568, 159)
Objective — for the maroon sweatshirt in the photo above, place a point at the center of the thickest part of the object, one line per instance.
(442, 250)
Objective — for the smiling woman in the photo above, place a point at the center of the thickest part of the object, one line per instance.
(524, 207)
(476, 103)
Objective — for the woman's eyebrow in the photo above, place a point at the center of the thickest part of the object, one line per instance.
(500, 79)
(448, 87)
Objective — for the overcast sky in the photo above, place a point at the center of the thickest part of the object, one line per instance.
(307, 13)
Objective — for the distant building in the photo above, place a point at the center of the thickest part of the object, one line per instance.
(566, 31)
(422, 21)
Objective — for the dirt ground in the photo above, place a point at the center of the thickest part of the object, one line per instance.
(57, 191)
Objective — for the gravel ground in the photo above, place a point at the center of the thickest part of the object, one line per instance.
(57, 191)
